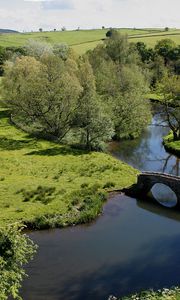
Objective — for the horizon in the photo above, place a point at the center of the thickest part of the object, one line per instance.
(30, 15)
(91, 29)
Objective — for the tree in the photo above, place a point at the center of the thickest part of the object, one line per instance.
(42, 95)
(40, 29)
(146, 54)
(95, 124)
(37, 49)
(109, 33)
(2, 60)
(121, 83)
(163, 48)
(16, 249)
(170, 90)
(119, 50)
(61, 50)
(158, 70)
(130, 109)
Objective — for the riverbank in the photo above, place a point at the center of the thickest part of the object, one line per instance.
(171, 146)
(46, 185)
(165, 294)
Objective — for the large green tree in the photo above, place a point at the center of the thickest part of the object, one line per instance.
(130, 108)
(122, 85)
(42, 95)
(92, 118)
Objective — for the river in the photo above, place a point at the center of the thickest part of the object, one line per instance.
(134, 245)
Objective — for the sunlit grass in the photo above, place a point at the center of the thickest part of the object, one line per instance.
(172, 146)
(45, 184)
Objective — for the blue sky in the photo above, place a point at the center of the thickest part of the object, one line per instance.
(49, 14)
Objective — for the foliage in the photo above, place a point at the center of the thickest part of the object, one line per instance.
(170, 90)
(93, 120)
(41, 94)
(122, 85)
(164, 48)
(61, 50)
(16, 249)
(37, 49)
(146, 54)
(164, 294)
(131, 110)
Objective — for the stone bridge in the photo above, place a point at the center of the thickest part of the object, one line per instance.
(147, 180)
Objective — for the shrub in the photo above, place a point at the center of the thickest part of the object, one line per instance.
(16, 249)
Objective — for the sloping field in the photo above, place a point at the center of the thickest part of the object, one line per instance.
(69, 37)
(84, 40)
(152, 38)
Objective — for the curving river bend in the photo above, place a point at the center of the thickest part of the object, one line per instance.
(134, 245)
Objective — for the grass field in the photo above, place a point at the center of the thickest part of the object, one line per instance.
(45, 184)
(151, 39)
(84, 40)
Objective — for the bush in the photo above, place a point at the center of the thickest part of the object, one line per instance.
(16, 249)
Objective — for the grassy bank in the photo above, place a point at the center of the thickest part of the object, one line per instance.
(171, 146)
(165, 294)
(44, 184)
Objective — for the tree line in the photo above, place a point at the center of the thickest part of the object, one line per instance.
(86, 100)
(91, 99)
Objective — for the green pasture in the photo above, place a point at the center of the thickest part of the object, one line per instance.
(151, 39)
(81, 40)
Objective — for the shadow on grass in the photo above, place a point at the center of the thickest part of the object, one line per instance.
(4, 114)
(58, 151)
(12, 144)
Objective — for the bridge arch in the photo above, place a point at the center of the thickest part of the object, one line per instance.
(147, 180)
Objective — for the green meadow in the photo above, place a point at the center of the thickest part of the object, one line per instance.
(44, 184)
(84, 40)
(151, 39)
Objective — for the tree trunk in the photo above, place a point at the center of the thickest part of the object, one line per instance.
(175, 136)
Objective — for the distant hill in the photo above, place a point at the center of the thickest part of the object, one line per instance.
(8, 31)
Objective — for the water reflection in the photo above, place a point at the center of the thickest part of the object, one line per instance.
(147, 153)
(158, 210)
(164, 195)
(132, 247)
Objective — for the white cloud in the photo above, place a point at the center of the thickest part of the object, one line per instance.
(31, 15)
(38, 0)
(58, 4)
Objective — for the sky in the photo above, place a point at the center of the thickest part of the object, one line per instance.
(30, 15)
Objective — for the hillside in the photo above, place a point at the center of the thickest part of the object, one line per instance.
(7, 31)
(84, 40)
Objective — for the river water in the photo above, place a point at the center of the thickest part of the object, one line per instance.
(134, 245)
